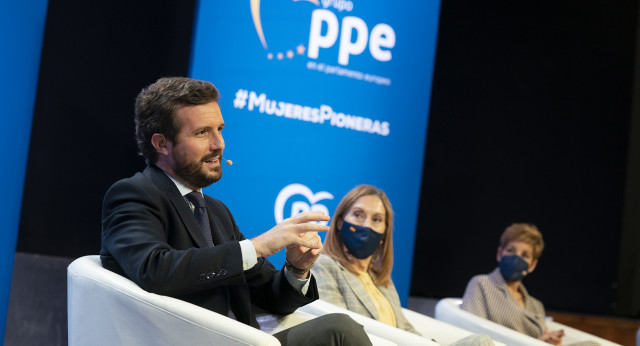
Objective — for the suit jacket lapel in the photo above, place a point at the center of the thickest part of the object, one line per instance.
(512, 304)
(529, 311)
(362, 294)
(162, 181)
(507, 301)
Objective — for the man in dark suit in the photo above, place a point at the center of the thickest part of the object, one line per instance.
(162, 232)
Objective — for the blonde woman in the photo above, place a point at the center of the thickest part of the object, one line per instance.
(354, 271)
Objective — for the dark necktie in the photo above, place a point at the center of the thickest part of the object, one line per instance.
(200, 212)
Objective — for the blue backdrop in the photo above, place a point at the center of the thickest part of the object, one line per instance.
(318, 97)
(21, 30)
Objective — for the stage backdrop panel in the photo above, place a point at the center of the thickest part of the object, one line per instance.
(318, 97)
(21, 30)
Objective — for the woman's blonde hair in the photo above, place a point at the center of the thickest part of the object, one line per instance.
(524, 232)
(382, 260)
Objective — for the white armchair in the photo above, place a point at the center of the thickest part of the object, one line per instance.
(443, 333)
(105, 308)
(430, 328)
(371, 326)
(448, 310)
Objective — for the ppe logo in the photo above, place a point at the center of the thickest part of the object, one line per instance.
(352, 35)
(294, 192)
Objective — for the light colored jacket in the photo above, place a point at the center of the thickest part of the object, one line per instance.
(488, 296)
(340, 287)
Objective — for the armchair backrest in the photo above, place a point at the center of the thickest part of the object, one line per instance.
(105, 308)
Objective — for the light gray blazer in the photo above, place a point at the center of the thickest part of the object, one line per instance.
(488, 296)
(340, 287)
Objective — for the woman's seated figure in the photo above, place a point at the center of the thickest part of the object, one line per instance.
(501, 297)
(354, 270)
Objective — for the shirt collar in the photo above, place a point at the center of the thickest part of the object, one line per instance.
(184, 189)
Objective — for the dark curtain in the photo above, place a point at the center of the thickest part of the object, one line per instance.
(529, 122)
(628, 303)
(96, 57)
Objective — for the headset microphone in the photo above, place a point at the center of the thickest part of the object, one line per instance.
(228, 162)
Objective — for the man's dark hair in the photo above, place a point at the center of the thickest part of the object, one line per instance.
(156, 107)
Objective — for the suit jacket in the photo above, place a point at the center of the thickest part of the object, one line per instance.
(340, 287)
(488, 296)
(150, 235)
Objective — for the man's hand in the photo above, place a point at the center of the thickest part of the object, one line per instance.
(554, 337)
(303, 257)
(292, 232)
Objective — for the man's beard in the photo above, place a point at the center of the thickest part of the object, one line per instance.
(194, 174)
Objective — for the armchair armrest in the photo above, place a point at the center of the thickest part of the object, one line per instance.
(448, 310)
(371, 326)
(442, 332)
(105, 308)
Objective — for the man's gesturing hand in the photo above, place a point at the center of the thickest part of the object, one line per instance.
(291, 232)
(303, 257)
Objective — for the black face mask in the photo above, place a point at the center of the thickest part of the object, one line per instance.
(513, 268)
(361, 241)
